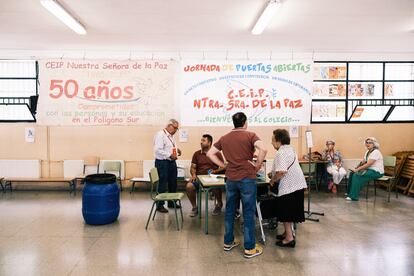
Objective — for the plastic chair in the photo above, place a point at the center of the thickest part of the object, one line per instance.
(156, 197)
(312, 176)
(113, 167)
(388, 180)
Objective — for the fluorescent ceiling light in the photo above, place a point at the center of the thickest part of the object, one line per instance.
(266, 16)
(63, 15)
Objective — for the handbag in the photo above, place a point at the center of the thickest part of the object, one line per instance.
(275, 188)
(361, 172)
(363, 162)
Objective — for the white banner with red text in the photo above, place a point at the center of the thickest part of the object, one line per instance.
(275, 92)
(99, 92)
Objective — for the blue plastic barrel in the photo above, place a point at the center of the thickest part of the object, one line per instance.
(100, 199)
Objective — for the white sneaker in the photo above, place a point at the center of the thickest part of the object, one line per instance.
(348, 198)
(194, 212)
(237, 214)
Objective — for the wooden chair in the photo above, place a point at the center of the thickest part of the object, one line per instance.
(156, 197)
(406, 176)
(411, 190)
(92, 161)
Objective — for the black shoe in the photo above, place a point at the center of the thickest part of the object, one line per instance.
(162, 209)
(171, 205)
(291, 244)
(280, 237)
(283, 236)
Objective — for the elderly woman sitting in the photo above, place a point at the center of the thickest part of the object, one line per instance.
(371, 168)
(334, 166)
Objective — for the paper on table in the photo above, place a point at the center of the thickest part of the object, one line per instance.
(209, 179)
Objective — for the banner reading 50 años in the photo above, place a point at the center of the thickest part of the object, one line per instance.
(89, 92)
(269, 93)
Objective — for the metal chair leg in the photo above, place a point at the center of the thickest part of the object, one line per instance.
(181, 211)
(259, 215)
(8, 183)
(389, 191)
(132, 187)
(394, 184)
(152, 208)
(120, 185)
(72, 187)
(154, 214)
(176, 216)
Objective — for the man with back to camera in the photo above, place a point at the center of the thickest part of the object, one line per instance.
(201, 164)
(238, 147)
(166, 152)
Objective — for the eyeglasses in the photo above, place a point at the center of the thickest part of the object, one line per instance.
(368, 142)
(176, 128)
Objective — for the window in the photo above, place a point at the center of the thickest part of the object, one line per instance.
(363, 92)
(18, 90)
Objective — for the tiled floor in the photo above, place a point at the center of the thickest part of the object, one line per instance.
(43, 233)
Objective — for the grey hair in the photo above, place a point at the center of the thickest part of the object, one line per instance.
(172, 122)
(330, 141)
(374, 141)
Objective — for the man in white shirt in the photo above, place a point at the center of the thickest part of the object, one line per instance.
(166, 152)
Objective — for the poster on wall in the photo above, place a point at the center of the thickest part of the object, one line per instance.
(328, 111)
(329, 71)
(105, 92)
(268, 92)
(326, 90)
(29, 134)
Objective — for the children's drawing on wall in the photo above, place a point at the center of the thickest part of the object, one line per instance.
(388, 90)
(361, 90)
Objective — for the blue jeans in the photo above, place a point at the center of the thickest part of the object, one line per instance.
(245, 190)
(167, 173)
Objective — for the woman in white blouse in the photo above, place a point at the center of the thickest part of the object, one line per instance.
(372, 167)
(286, 170)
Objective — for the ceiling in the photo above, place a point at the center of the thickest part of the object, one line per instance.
(212, 25)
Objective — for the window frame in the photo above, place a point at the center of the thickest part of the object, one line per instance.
(364, 101)
(22, 100)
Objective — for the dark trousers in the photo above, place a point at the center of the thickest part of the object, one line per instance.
(167, 172)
